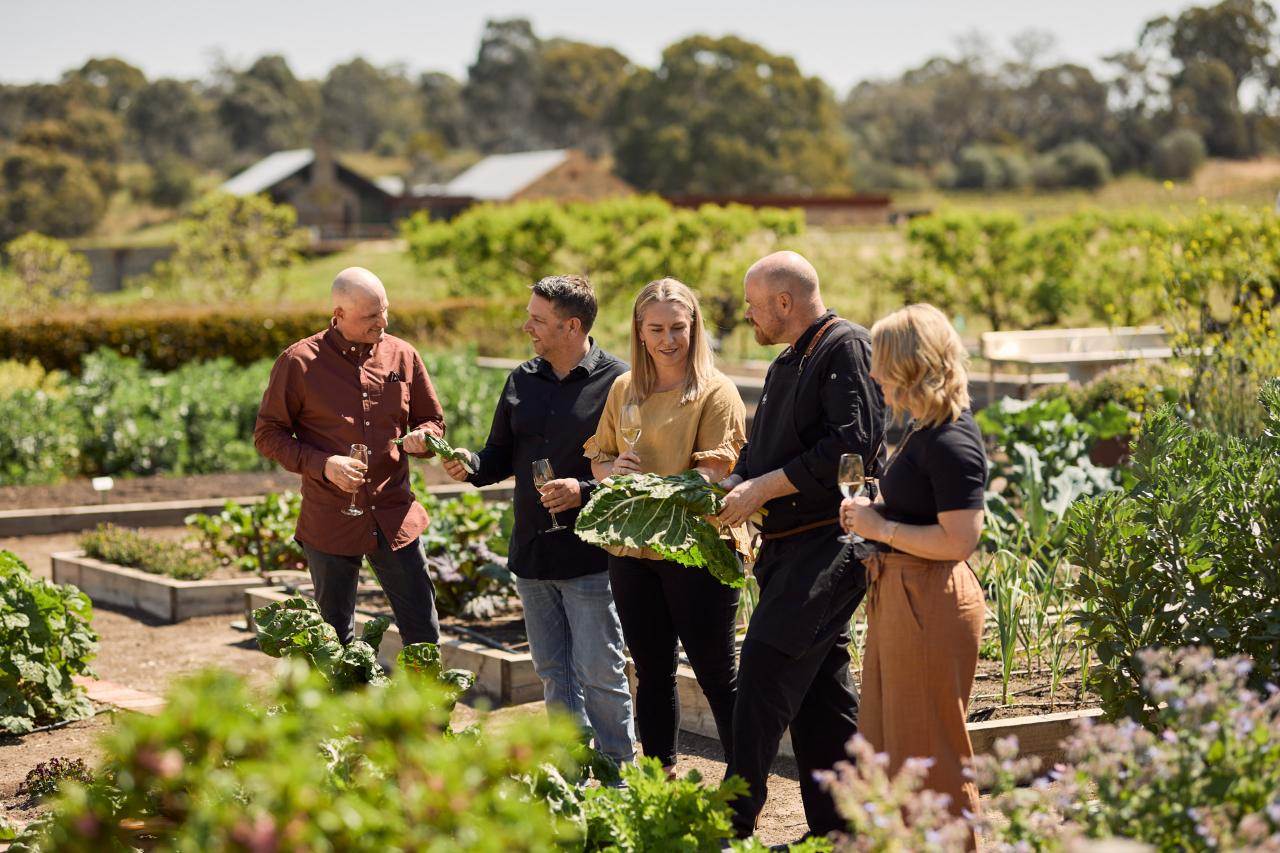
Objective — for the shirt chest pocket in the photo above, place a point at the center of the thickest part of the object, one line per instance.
(388, 397)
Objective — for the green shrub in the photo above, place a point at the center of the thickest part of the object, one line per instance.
(620, 243)
(40, 437)
(468, 393)
(255, 538)
(1178, 155)
(1138, 388)
(295, 767)
(1186, 557)
(986, 167)
(41, 272)
(1073, 164)
(45, 639)
(137, 550)
(165, 338)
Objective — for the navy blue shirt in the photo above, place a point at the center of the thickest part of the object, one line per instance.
(540, 416)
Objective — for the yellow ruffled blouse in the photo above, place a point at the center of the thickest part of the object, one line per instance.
(675, 437)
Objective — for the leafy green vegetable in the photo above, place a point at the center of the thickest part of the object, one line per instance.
(294, 628)
(1187, 557)
(666, 514)
(443, 449)
(45, 639)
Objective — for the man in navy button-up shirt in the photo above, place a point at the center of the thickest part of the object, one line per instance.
(549, 407)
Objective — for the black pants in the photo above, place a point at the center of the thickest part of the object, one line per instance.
(807, 602)
(659, 601)
(812, 695)
(404, 579)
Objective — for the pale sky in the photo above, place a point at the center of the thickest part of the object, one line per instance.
(840, 42)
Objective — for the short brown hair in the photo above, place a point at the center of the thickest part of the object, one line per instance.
(571, 296)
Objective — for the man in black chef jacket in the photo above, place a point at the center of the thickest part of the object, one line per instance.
(819, 402)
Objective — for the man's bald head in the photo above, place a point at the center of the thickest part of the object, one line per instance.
(359, 305)
(782, 297)
(356, 283)
(787, 272)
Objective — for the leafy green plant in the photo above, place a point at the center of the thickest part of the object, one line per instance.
(255, 538)
(1042, 466)
(468, 392)
(45, 639)
(654, 813)
(1011, 594)
(136, 549)
(297, 767)
(667, 514)
(1185, 557)
(47, 777)
(295, 628)
(444, 450)
(463, 543)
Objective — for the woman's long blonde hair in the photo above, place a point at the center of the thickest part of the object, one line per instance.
(917, 350)
(701, 366)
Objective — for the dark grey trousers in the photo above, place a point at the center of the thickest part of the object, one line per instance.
(404, 579)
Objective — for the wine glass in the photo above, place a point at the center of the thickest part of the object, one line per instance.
(851, 478)
(360, 453)
(629, 425)
(543, 474)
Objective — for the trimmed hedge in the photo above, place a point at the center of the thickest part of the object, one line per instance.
(166, 338)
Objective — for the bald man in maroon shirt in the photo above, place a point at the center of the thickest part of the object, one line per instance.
(355, 384)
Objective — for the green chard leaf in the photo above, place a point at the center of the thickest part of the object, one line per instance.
(444, 450)
(666, 514)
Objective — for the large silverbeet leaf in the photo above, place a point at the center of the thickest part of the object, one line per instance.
(667, 514)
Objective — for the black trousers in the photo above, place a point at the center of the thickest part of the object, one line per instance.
(807, 689)
(404, 579)
(659, 601)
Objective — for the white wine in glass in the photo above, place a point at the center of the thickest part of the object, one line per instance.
(629, 425)
(851, 478)
(360, 453)
(543, 474)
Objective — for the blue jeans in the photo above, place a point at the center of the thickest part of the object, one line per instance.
(576, 643)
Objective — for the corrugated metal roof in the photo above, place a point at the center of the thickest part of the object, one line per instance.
(391, 185)
(498, 177)
(269, 171)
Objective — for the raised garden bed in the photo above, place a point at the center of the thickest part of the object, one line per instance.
(163, 597)
(502, 677)
(164, 513)
(507, 678)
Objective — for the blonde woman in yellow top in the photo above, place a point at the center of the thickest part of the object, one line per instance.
(689, 416)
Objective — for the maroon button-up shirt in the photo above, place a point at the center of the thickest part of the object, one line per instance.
(326, 394)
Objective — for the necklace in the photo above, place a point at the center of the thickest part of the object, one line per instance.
(912, 429)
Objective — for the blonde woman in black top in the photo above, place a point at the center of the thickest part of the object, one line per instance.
(925, 607)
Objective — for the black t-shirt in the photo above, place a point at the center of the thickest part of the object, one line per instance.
(940, 468)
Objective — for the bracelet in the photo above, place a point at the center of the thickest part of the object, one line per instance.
(892, 533)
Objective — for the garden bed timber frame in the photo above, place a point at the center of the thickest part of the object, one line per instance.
(69, 519)
(163, 597)
(504, 678)
(507, 678)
